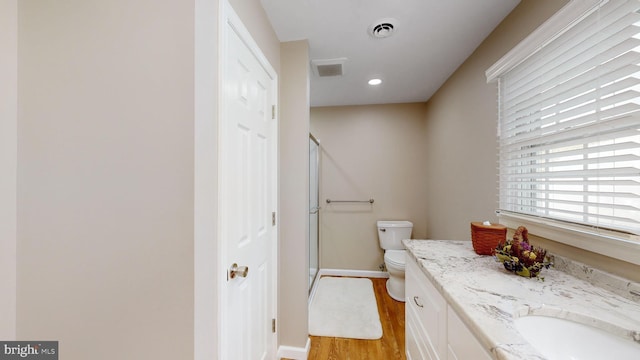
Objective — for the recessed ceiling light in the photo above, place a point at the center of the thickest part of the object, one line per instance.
(375, 82)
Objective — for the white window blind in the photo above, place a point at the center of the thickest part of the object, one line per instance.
(569, 127)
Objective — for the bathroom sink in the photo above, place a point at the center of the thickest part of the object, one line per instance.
(557, 338)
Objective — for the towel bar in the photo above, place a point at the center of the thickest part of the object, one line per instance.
(329, 201)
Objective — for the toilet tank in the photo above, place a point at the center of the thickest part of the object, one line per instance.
(391, 234)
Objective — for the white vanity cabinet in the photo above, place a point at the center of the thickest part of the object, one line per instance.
(425, 316)
(462, 344)
(433, 330)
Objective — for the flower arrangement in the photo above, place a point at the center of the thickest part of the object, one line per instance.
(520, 257)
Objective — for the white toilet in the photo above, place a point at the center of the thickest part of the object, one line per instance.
(391, 234)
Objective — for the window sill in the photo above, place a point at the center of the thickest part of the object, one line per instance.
(626, 248)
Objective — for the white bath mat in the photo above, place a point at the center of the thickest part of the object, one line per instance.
(346, 308)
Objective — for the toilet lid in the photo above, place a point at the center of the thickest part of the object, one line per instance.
(395, 257)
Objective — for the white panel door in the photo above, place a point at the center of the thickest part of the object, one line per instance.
(248, 196)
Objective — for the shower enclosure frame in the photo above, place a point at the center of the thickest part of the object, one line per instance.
(314, 210)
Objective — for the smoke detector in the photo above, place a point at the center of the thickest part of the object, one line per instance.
(383, 28)
(328, 67)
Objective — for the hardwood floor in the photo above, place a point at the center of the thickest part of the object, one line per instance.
(390, 346)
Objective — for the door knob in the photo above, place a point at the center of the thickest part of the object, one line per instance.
(236, 270)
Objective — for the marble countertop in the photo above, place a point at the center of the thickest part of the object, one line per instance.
(487, 297)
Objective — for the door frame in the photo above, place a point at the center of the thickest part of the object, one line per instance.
(229, 19)
(8, 166)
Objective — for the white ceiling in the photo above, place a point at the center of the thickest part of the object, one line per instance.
(432, 38)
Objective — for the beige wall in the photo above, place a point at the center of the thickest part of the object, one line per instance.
(106, 234)
(8, 165)
(372, 151)
(105, 177)
(461, 141)
(294, 194)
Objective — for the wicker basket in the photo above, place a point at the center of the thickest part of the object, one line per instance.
(485, 238)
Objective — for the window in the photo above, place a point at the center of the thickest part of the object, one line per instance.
(569, 122)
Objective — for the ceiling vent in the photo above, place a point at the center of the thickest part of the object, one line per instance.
(383, 28)
(328, 67)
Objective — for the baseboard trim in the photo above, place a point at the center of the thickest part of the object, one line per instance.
(295, 353)
(353, 273)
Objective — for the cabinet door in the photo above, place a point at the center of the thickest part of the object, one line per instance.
(415, 343)
(463, 345)
(429, 308)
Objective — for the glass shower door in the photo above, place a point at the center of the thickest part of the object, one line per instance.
(314, 208)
